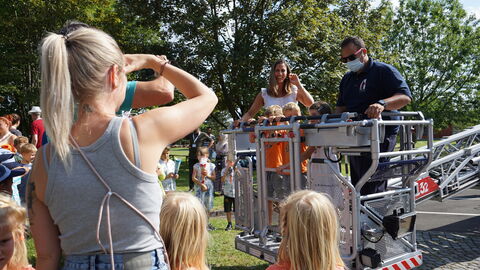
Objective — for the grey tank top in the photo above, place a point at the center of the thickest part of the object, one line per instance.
(74, 197)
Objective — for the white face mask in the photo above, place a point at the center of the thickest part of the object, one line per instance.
(354, 65)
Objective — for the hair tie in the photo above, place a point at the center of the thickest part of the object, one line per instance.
(65, 37)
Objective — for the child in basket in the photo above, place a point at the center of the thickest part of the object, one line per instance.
(203, 175)
(168, 166)
(309, 234)
(291, 109)
(228, 180)
(183, 227)
(13, 251)
(273, 157)
(322, 175)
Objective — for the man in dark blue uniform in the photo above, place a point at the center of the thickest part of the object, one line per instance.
(370, 88)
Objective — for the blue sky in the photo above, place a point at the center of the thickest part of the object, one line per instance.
(471, 6)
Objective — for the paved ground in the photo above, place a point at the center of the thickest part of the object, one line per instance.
(449, 232)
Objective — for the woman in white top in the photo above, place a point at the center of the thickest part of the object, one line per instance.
(283, 87)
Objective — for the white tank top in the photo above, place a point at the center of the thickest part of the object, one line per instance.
(281, 101)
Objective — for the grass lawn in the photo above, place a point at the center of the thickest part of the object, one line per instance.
(222, 254)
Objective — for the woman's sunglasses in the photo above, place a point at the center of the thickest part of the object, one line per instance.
(351, 57)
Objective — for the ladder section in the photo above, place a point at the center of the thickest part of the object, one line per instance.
(455, 166)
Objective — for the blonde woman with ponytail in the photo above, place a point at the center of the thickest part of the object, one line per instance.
(93, 194)
(310, 239)
(184, 229)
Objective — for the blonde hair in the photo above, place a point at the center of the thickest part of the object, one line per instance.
(73, 68)
(273, 90)
(183, 227)
(12, 218)
(27, 148)
(273, 110)
(310, 238)
(291, 106)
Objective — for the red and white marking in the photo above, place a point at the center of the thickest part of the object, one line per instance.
(424, 187)
(409, 263)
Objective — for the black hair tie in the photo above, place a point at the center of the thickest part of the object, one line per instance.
(67, 42)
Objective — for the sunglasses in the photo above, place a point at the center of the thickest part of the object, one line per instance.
(351, 57)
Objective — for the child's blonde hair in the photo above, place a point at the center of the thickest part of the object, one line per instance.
(310, 238)
(291, 106)
(184, 230)
(27, 148)
(273, 110)
(12, 218)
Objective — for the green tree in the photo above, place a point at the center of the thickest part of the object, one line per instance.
(436, 46)
(25, 22)
(230, 44)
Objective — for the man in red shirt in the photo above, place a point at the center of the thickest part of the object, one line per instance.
(37, 126)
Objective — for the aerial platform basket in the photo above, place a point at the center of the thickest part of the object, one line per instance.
(377, 230)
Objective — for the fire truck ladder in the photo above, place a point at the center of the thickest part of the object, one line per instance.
(455, 167)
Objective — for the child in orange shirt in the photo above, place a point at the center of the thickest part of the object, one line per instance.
(291, 109)
(273, 156)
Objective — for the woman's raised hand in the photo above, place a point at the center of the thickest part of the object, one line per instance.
(294, 79)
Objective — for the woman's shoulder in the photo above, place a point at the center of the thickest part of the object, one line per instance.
(28, 268)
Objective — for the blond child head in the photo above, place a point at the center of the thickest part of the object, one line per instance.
(310, 236)
(291, 109)
(184, 230)
(166, 153)
(12, 222)
(28, 152)
(273, 110)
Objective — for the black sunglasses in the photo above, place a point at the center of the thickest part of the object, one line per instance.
(351, 57)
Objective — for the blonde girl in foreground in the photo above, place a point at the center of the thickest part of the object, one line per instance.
(309, 234)
(183, 228)
(13, 252)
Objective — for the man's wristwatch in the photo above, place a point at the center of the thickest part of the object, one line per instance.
(383, 103)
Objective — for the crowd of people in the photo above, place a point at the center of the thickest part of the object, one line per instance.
(93, 194)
